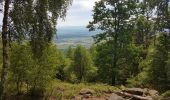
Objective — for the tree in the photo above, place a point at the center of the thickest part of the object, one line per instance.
(70, 53)
(45, 69)
(113, 18)
(21, 65)
(63, 64)
(25, 71)
(153, 67)
(36, 21)
(158, 70)
(103, 61)
(83, 66)
(144, 31)
(163, 14)
(142, 77)
(4, 43)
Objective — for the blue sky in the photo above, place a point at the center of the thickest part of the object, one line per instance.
(79, 14)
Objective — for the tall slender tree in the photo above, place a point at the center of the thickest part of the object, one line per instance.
(5, 46)
(113, 18)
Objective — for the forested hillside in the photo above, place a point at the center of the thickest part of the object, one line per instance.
(132, 49)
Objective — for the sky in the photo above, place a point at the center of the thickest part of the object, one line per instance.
(79, 13)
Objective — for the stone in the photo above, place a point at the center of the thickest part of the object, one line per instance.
(86, 91)
(153, 93)
(86, 96)
(135, 91)
(115, 97)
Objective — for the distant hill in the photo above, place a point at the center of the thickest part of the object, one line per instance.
(74, 35)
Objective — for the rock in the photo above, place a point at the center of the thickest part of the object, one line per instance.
(86, 91)
(153, 93)
(136, 91)
(86, 96)
(133, 96)
(115, 97)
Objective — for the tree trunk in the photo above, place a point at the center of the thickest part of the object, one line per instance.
(5, 43)
(115, 59)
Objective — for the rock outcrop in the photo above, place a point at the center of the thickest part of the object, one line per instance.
(135, 94)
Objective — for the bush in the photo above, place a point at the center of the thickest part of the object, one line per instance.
(29, 73)
(166, 94)
(36, 92)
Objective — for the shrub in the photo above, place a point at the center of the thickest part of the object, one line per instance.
(166, 94)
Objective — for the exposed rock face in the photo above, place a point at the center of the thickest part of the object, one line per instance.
(115, 97)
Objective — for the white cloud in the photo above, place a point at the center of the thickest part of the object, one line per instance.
(85, 4)
(79, 14)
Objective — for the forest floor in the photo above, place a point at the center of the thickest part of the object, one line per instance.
(82, 91)
(92, 91)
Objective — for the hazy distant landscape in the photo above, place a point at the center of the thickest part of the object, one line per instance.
(74, 35)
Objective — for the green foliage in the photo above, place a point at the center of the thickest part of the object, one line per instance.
(114, 19)
(26, 73)
(142, 78)
(166, 94)
(103, 62)
(21, 64)
(36, 21)
(70, 53)
(83, 64)
(45, 69)
(131, 48)
(62, 66)
(144, 31)
(158, 70)
(154, 67)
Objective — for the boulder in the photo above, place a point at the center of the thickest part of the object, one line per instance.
(115, 97)
(153, 93)
(86, 91)
(135, 91)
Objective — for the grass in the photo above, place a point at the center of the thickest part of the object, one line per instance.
(64, 91)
